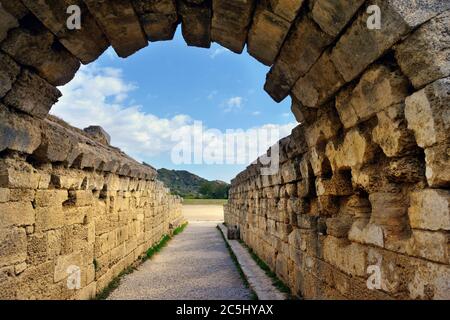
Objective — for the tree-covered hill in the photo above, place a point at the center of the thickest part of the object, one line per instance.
(189, 185)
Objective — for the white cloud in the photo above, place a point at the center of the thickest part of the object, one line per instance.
(233, 103)
(97, 96)
(218, 52)
(256, 113)
(100, 96)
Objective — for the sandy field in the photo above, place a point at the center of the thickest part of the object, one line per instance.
(203, 212)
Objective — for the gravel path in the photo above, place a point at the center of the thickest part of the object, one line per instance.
(195, 265)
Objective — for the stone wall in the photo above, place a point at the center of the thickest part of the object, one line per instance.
(363, 184)
(72, 203)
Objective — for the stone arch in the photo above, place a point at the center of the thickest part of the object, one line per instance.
(356, 92)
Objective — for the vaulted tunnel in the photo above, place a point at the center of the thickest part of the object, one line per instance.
(362, 181)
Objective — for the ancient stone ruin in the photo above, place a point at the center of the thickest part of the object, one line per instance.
(360, 206)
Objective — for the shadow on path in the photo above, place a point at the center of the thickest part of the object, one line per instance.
(195, 265)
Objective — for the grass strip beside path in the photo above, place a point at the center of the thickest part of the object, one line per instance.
(279, 284)
(238, 266)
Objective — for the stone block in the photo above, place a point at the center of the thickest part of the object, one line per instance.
(357, 206)
(333, 15)
(7, 22)
(51, 198)
(32, 94)
(98, 134)
(13, 246)
(425, 55)
(428, 115)
(430, 209)
(295, 58)
(390, 212)
(196, 22)
(230, 22)
(43, 247)
(159, 18)
(289, 172)
(15, 8)
(4, 195)
(408, 169)
(13, 175)
(349, 257)
(57, 143)
(302, 114)
(64, 264)
(429, 245)
(437, 160)
(366, 233)
(339, 226)
(327, 205)
(120, 24)
(429, 281)
(339, 184)
(319, 84)
(54, 242)
(49, 58)
(359, 46)
(266, 35)
(16, 214)
(391, 132)
(37, 283)
(87, 293)
(49, 218)
(359, 103)
(21, 195)
(18, 132)
(355, 151)
(373, 178)
(67, 180)
(10, 71)
(324, 128)
(87, 43)
(287, 9)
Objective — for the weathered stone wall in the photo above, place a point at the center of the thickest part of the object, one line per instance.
(364, 179)
(71, 203)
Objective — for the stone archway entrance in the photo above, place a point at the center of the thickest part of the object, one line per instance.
(363, 181)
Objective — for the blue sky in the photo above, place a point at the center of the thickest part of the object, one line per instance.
(143, 99)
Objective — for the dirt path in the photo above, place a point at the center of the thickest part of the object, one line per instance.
(195, 265)
(200, 212)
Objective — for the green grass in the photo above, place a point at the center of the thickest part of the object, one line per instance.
(280, 285)
(180, 229)
(157, 247)
(149, 254)
(238, 266)
(204, 201)
(104, 294)
(163, 242)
